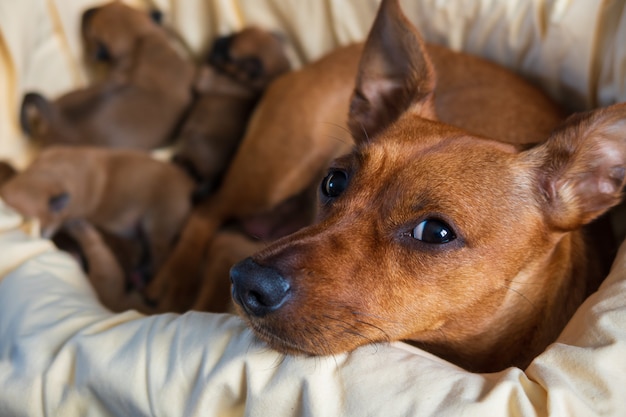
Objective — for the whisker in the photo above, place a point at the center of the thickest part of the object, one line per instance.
(521, 295)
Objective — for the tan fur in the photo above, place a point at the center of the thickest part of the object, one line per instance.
(137, 105)
(226, 97)
(124, 192)
(104, 269)
(441, 141)
(254, 57)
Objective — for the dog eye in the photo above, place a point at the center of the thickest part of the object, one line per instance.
(102, 53)
(58, 202)
(433, 231)
(335, 183)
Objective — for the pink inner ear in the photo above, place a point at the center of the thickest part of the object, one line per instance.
(584, 166)
(395, 73)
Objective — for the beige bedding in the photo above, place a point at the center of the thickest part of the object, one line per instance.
(61, 354)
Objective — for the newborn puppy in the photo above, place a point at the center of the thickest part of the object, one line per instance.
(214, 127)
(238, 69)
(138, 105)
(123, 192)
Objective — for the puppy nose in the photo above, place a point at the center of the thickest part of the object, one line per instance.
(258, 289)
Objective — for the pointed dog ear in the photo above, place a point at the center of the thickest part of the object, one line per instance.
(582, 166)
(395, 75)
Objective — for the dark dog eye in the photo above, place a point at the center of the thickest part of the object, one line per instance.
(102, 53)
(433, 231)
(58, 202)
(335, 183)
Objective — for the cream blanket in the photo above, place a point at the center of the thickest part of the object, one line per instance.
(62, 354)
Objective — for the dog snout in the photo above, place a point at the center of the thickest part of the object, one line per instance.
(258, 289)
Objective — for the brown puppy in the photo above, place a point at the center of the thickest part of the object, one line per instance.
(140, 102)
(439, 228)
(226, 95)
(124, 192)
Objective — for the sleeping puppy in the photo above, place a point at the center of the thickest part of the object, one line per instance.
(140, 102)
(238, 69)
(214, 127)
(126, 193)
(104, 30)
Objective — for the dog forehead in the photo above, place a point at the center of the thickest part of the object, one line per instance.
(446, 176)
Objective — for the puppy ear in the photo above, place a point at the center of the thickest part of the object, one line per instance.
(582, 166)
(35, 115)
(395, 75)
(58, 202)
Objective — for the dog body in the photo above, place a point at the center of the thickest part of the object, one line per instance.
(124, 192)
(139, 103)
(444, 226)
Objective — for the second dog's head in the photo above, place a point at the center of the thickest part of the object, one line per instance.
(43, 191)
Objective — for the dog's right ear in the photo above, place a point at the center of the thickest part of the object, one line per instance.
(395, 75)
(581, 168)
(35, 115)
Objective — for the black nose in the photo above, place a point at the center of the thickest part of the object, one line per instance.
(258, 289)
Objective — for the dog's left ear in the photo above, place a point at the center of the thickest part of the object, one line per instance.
(582, 167)
(395, 75)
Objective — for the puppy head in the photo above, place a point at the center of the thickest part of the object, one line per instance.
(426, 232)
(111, 31)
(253, 56)
(42, 191)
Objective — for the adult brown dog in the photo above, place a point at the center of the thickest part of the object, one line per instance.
(138, 105)
(443, 226)
(126, 193)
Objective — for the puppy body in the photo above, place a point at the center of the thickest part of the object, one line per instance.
(124, 192)
(139, 103)
(443, 226)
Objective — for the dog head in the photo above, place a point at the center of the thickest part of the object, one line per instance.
(253, 57)
(42, 191)
(427, 232)
(110, 32)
